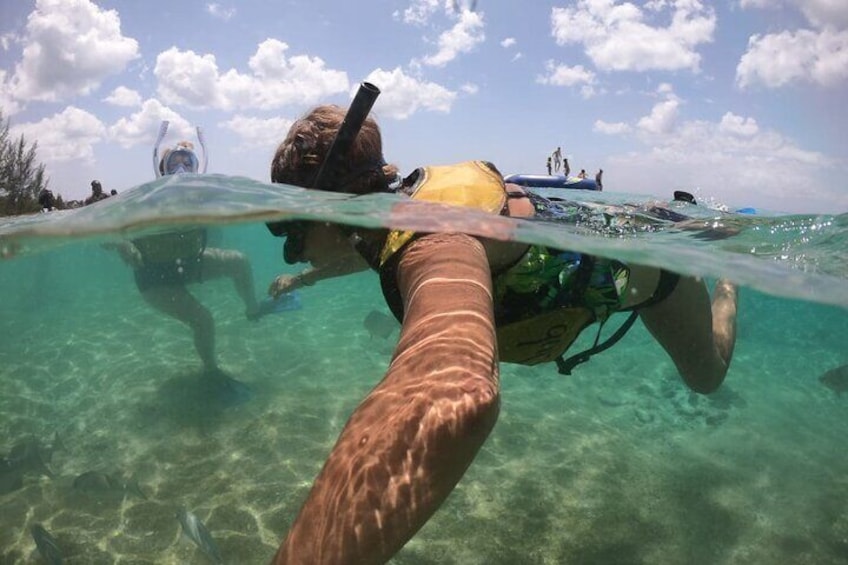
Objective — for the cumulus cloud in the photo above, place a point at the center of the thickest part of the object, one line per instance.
(463, 37)
(403, 95)
(123, 96)
(737, 125)
(611, 128)
(191, 79)
(419, 11)
(69, 47)
(777, 59)
(217, 11)
(563, 75)
(819, 13)
(469, 88)
(625, 37)
(732, 158)
(69, 135)
(508, 42)
(8, 104)
(142, 127)
(258, 132)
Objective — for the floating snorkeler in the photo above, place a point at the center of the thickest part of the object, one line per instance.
(465, 304)
(165, 264)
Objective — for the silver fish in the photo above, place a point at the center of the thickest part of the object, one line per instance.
(27, 457)
(194, 529)
(46, 544)
(96, 483)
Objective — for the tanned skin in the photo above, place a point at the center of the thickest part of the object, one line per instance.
(410, 441)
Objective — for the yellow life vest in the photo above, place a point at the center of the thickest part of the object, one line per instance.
(472, 184)
(477, 184)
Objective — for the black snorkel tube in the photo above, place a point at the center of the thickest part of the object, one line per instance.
(339, 149)
(352, 123)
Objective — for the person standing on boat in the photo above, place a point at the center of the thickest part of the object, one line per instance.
(549, 165)
(598, 179)
(466, 303)
(557, 157)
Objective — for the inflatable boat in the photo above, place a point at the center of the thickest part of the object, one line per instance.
(552, 181)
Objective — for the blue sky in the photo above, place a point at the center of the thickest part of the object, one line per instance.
(740, 101)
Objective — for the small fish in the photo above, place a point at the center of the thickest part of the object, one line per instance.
(96, 483)
(836, 379)
(46, 544)
(379, 324)
(194, 529)
(26, 457)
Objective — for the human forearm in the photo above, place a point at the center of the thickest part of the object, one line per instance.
(408, 444)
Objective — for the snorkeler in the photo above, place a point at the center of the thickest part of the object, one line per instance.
(166, 263)
(465, 304)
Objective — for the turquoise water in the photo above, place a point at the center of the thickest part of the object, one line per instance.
(617, 463)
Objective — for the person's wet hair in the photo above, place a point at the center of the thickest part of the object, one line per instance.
(298, 158)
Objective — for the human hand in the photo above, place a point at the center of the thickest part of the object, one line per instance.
(283, 284)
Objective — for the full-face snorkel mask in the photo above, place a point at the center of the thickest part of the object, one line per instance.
(180, 161)
(325, 178)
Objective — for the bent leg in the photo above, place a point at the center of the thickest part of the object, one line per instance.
(235, 265)
(698, 335)
(411, 440)
(178, 302)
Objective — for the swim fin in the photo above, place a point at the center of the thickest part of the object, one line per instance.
(283, 303)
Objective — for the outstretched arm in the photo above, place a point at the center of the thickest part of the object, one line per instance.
(411, 440)
(698, 334)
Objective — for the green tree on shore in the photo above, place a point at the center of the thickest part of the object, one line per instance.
(22, 177)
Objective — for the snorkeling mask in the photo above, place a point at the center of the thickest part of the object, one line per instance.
(182, 158)
(295, 234)
(180, 161)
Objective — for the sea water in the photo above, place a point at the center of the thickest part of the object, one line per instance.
(617, 463)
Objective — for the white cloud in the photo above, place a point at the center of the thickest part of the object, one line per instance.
(69, 135)
(258, 132)
(404, 95)
(623, 37)
(142, 127)
(662, 118)
(737, 125)
(819, 13)
(419, 11)
(563, 75)
(775, 60)
(69, 47)
(508, 42)
(463, 37)
(123, 96)
(743, 163)
(187, 78)
(825, 13)
(8, 104)
(217, 11)
(7, 39)
(611, 128)
(469, 88)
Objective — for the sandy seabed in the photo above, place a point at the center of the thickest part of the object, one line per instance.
(617, 463)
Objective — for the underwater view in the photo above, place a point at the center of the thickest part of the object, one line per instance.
(113, 444)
